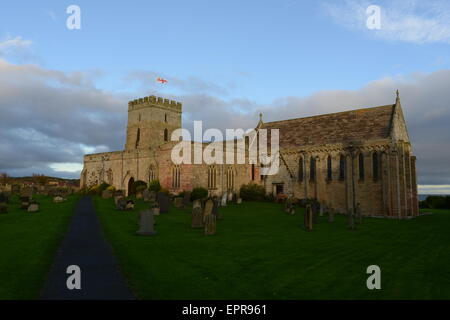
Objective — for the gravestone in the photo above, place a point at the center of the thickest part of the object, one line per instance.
(4, 198)
(3, 207)
(58, 199)
(129, 205)
(186, 199)
(163, 202)
(146, 223)
(119, 193)
(107, 194)
(308, 218)
(223, 203)
(146, 195)
(209, 205)
(289, 206)
(197, 215)
(15, 189)
(33, 207)
(139, 195)
(26, 192)
(215, 210)
(331, 215)
(315, 211)
(178, 202)
(210, 225)
(239, 200)
(121, 204)
(358, 213)
(152, 196)
(230, 196)
(25, 202)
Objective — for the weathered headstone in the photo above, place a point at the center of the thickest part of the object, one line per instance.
(121, 203)
(223, 203)
(209, 205)
(289, 206)
(146, 223)
(315, 211)
(215, 210)
(197, 215)
(129, 205)
(4, 198)
(163, 201)
(230, 196)
(3, 207)
(358, 213)
(26, 192)
(58, 199)
(331, 215)
(107, 194)
(186, 199)
(33, 207)
(15, 189)
(146, 195)
(210, 224)
(308, 218)
(239, 200)
(178, 202)
(25, 202)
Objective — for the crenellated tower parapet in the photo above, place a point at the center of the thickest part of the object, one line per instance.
(154, 101)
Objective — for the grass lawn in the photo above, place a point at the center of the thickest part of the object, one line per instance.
(260, 252)
(28, 243)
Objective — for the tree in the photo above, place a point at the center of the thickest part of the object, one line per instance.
(4, 178)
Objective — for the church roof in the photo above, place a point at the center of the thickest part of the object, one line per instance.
(355, 125)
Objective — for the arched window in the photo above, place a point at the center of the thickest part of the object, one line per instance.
(253, 171)
(176, 177)
(212, 177)
(329, 169)
(375, 169)
(139, 117)
(312, 169)
(166, 135)
(165, 118)
(109, 175)
(342, 167)
(300, 169)
(151, 174)
(138, 137)
(361, 166)
(230, 178)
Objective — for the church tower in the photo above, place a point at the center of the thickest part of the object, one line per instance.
(151, 121)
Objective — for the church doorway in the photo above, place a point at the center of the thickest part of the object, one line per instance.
(130, 186)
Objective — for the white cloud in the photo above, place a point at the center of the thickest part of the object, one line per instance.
(434, 189)
(401, 20)
(66, 167)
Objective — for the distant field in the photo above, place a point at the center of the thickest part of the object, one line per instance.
(260, 252)
(28, 243)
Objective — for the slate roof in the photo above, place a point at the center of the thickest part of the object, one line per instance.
(355, 125)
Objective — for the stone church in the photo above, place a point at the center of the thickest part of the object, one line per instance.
(360, 158)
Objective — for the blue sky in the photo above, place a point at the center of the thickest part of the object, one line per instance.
(258, 49)
(225, 60)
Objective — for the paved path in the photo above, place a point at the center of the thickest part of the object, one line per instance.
(85, 246)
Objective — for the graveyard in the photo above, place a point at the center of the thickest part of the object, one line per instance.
(257, 250)
(28, 242)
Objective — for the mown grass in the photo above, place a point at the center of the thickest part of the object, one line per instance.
(260, 252)
(28, 243)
